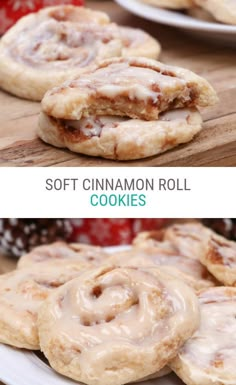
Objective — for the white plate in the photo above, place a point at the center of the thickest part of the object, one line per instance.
(22, 367)
(214, 31)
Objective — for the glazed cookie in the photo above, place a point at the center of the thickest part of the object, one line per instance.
(112, 326)
(220, 259)
(21, 294)
(60, 253)
(138, 88)
(121, 138)
(208, 358)
(44, 49)
(172, 4)
(189, 239)
(222, 10)
(139, 43)
(191, 271)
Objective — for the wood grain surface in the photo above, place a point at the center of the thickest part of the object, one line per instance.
(214, 146)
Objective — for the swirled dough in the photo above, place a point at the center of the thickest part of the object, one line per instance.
(121, 138)
(220, 259)
(21, 294)
(172, 4)
(44, 49)
(208, 358)
(138, 88)
(60, 253)
(136, 42)
(189, 239)
(114, 325)
(191, 271)
(222, 10)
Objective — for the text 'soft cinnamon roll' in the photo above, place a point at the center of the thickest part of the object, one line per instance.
(60, 253)
(116, 325)
(21, 294)
(208, 358)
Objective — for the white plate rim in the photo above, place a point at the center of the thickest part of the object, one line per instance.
(187, 22)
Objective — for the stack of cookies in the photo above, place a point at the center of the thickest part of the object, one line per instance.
(166, 303)
(106, 94)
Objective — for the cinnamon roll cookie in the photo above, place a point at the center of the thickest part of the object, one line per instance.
(61, 254)
(125, 108)
(188, 239)
(43, 49)
(21, 294)
(190, 271)
(220, 259)
(208, 358)
(222, 10)
(112, 326)
(121, 138)
(172, 4)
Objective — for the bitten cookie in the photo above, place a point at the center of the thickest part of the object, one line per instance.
(44, 49)
(60, 253)
(208, 358)
(222, 10)
(138, 88)
(21, 294)
(220, 259)
(121, 138)
(112, 326)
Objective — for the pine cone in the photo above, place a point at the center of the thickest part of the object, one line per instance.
(18, 236)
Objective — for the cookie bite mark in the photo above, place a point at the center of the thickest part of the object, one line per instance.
(133, 87)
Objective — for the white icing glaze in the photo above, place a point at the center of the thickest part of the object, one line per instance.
(112, 310)
(25, 289)
(138, 83)
(224, 250)
(151, 256)
(211, 351)
(63, 44)
(191, 271)
(190, 238)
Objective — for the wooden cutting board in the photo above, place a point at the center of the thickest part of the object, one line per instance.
(214, 146)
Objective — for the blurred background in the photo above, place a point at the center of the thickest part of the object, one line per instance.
(18, 236)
